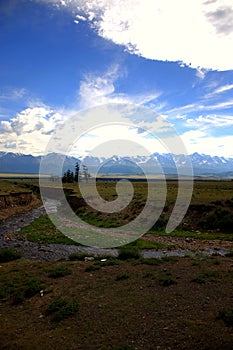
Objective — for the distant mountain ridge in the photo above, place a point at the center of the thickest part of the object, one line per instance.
(153, 164)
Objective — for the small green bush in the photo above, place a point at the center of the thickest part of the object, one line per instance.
(126, 253)
(9, 254)
(93, 267)
(230, 254)
(60, 271)
(227, 316)
(148, 261)
(20, 288)
(122, 276)
(78, 256)
(62, 308)
(167, 281)
(56, 305)
(31, 286)
(206, 276)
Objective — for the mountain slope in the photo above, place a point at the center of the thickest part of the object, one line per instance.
(153, 164)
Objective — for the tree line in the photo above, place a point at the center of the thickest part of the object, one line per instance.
(70, 176)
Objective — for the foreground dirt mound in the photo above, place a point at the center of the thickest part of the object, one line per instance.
(17, 202)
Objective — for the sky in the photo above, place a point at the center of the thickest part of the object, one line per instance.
(62, 57)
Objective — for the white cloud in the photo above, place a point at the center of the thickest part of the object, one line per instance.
(197, 33)
(96, 89)
(201, 142)
(204, 122)
(30, 130)
(219, 90)
(13, 94)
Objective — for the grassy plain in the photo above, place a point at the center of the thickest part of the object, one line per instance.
(210, 214)
(125, 303)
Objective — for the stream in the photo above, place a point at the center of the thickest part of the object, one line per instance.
(51, 252)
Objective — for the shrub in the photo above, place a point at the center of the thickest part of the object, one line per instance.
(32, 285)
(220, 218)
(20, 288)
(230, 254)
(126, 253)
(78, 256)
(227, 316)
(93, 267)
(56, 305)
(61, 309)
(168, 281)
(122, 276)
(9, 254)
(60, 271)
(149, 261)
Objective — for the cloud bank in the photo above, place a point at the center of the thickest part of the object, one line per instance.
(195, 33)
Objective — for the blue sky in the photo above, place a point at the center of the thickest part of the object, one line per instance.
(59, 57)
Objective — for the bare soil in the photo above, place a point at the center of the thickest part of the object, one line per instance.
(17, 209)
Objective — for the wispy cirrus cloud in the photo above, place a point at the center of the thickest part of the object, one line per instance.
(205, 122)
(219, 90)
(99, 88)
(13, 94)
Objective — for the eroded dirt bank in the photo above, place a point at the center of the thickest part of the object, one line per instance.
(17, 202)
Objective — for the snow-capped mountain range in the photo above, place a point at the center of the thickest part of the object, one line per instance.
(154, 164)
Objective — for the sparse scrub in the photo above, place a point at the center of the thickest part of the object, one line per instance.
(126, 253)
(78, 256)
(61, 309)
(20, 288)
(206, 276)
(122, 276)
(9, 254)
(93, 267)
(166, 279)
(227, 316)
(148, 261)
(60, 271)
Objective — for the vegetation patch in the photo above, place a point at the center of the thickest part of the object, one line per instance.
(93, 267)
(144, 244)
(20, 288)
(126, 253)
(122, 276)
(227, 316)
(43, 231)
(9, 254)
(166, 279)
(61, 309)
(205, 277)
(60, 271)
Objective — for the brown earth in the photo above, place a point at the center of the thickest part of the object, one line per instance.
(125, 306)
(16, 203)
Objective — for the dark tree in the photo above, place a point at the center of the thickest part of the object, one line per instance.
(86, 173)
(68, 176)
(76, 175)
